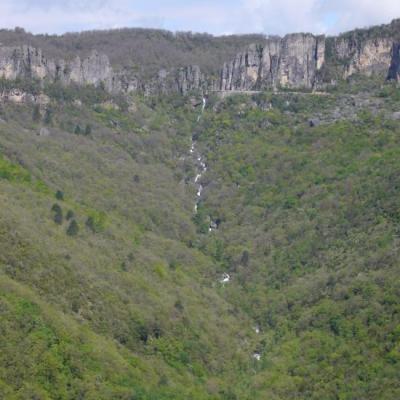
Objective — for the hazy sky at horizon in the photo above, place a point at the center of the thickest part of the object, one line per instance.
(212, 16)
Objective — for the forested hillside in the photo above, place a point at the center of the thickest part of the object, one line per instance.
(307, 203)
(281, 283)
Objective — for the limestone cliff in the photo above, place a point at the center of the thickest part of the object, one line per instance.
(394, 71)
(295, 61)
(24, 62)
(298, 60)
(190, 78)
(371, 56)
(29, 63)
(183, 80)
(292, 61)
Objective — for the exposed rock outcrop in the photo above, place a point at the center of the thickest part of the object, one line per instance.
(394, 71)
(19, 96)
(27, 62)
(190, 78)
(295, 61)
(182, 80)
(372, 56)
(24, 62)
(92, 70)
(292, 61)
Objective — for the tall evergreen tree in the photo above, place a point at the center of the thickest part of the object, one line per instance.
(73, 228)
(36, 116)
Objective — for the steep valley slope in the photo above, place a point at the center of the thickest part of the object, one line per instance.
(279, 280)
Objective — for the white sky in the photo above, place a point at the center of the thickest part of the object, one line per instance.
(213, 16)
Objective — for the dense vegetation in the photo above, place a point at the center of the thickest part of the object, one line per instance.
(110, 284)
(308, 227)
(391, 30)
(97, 227)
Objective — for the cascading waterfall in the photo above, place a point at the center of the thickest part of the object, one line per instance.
(201, 169)
(201, 166)
(203, 106)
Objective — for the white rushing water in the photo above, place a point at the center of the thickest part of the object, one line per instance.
(202, 108)
(201, 169)
(204, 104)
(201, 166)
(226, 278)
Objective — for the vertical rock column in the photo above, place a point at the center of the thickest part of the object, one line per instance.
(394, 71)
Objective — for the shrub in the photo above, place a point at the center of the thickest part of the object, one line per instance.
(58, 214)
(36, 113)
(90, 224)
(96, 221)
(13, 172)
(48, 116)
(56, 208)
(59, 195)
(88, 130)
(58, 218)
(77, 130)
(245, 258)
(73, 228)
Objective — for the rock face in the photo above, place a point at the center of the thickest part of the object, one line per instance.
(394, 71)
(29, 63)
(19, 96)
(295, 61)
(292, 61)
(368, 57)
(183, 81)
(190, 78)
(92, 70)
(24, 62)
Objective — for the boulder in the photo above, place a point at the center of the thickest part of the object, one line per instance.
(396, 116)
(314, 122)
(44, 132)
